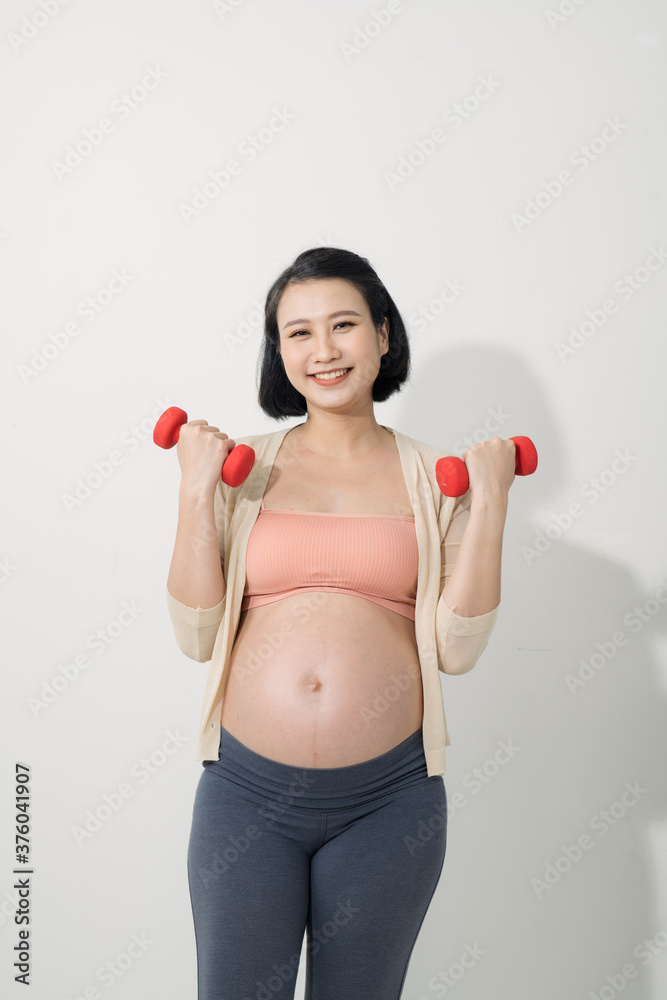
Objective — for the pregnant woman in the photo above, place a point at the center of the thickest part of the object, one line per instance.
(329, 591)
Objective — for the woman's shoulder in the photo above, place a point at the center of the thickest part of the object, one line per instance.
(429, 454)
(265, 445)
(426, 449)
(262, 435)
(259, 442)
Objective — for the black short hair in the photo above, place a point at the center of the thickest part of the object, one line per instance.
(277, 396)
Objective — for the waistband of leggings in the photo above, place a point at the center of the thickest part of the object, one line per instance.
(400, 765)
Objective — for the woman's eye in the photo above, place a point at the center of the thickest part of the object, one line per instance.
(344, 322)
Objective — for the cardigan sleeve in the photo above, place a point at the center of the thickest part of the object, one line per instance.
(196, 629)
(460, 641)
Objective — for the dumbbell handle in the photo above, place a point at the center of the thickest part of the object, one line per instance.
(235, 468)
(452, 475)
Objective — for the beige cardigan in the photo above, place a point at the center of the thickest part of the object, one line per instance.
(446, 641)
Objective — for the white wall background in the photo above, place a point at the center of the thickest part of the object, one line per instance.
(186, 330)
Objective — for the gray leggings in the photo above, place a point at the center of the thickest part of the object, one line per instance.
(351, 855)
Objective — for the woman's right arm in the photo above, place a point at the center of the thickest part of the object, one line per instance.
(196, 588)
(195, 575)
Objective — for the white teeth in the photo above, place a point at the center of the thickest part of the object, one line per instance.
(341, 371)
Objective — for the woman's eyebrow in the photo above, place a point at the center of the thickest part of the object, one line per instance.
(341, 312)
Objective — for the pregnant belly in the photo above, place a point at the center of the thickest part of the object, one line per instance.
(322, 679)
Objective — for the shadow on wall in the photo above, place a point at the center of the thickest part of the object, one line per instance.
(548, 863)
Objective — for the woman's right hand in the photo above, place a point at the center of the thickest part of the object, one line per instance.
(202, 450)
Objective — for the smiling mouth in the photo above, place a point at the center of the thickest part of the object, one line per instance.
(331, 377)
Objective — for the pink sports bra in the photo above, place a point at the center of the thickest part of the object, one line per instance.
(293, 551)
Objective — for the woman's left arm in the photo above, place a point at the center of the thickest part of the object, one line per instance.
(474, 585)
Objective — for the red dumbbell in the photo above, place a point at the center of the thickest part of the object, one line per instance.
(452, 475)
(236, 466)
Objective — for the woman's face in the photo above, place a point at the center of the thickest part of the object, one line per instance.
(313, 339)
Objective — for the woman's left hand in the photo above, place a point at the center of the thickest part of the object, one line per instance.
(491, 466)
